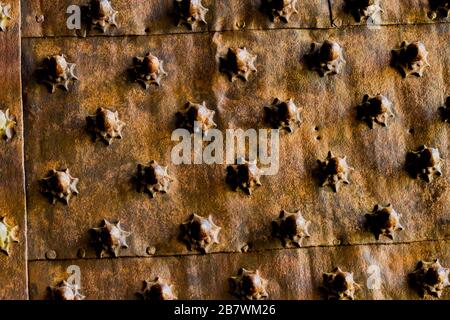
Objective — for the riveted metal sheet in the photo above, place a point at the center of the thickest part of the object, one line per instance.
(394, 12)
(141, 17)
(291, 274)
(57, 139)
(13, 272)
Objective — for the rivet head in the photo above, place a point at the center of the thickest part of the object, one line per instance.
(153, 178)
(59, 185)
(200, 233)
(425, 163)
(363, 10)
(445, 111)
(148, 70)
(102, 15)
(105, 125)
(430, 278)
(375, 109)
(439, 9)
(109, 238)
(157, 290)
(7, 125)
(50, 255)
(339, 285)
(40, 18)
(384, 220)
(238, 63)
(8, 235)
(280, 10)
(248, 285)
(57, 72)
(283, 115)
(66, 291)
(326, 58)
(190, 13)
(196, 112)
(150, 251)
(5, 16)
(334, 171)
(410, 59)
(245, 176)
(291, 228)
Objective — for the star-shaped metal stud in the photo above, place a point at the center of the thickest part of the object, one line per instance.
(326, 58)
(66, 291)
(200, 233)
(376, 109)
(157, 290)
(148, 70)
(59, 185)
(109, 238)
(291, 228)
(445, 111)
(195, 113)
(57, 72)
(431, 278)
(8, 235)
(245, 176)
(439, 9)
(410, 59)
(339, 285)
(7, 125)
(248, 285)
(5, 16)
(105, 125)
(283, 115)
(238, 63)
(363, 10)
(190, 13)
(153, 178)
(280, 10)
(334, 171)
(425, 163)
(384, 220)
(102, 15)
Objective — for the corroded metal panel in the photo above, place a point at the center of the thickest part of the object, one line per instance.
(141, 17)
(290, 274)
(393, 12)
(57, 139)
(13, 273)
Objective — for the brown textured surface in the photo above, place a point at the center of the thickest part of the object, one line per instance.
(55, 137)
(13, 273)
(377, 155)
(291, 274)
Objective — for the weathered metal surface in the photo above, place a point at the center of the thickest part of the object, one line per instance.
(57, 139)
(141, 17)
(290, 274)
(115, 106)
(13, 272)
(394, 12)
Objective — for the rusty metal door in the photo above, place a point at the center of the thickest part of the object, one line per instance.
(80, 176)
